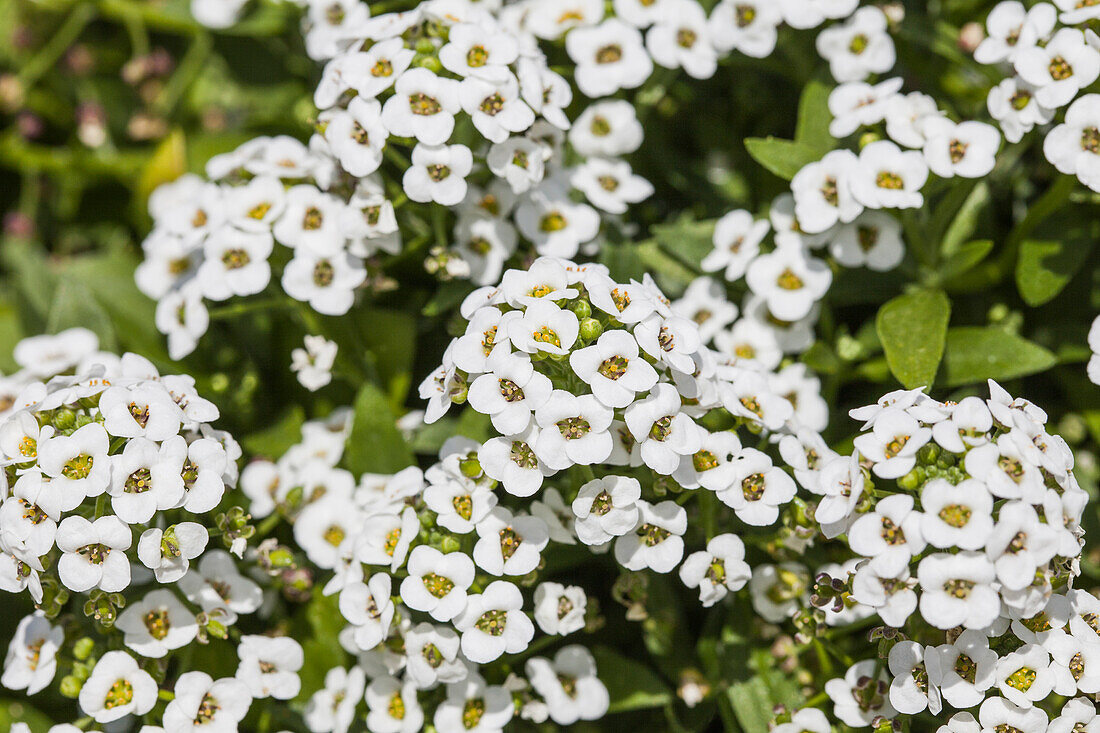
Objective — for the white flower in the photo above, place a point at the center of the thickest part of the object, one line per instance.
(217, 584)
(966, 149)
(78, 464)
(357, 136)
(1061, 68)
(1019, 544)
(368, 608)
(146, 478)
(495, 106)
(968, 426)
(664, 432)
(31, 661)
(183, 318)
(478, 50)
(560, 609)
(311, 221)
(609, 57)
(893, 443)
(957, 590)
(962, 670)
(157, 624)
(569, 685)
(1012, 103)
(393, 706)
(168, 552)
(423, 106)
(858, 47)
(883, 583)
(544, 327)
(269, 666)
(608, 127)
(840, 483)
(778, 591)
(203, 703)
(313, 364)
(889, 178)
(373, 71)
(1025, 676)
(873, 240)
(1076, 664)
(573, 430)
(382, 539)
(956, 515)
(858, 712)
(235, 263)
(613, 368)
(812, 13)
(1012, 29)
(789, 281)
(606, 508)
(432, 655)
(510, 391)
(512, 461)
(719, 569)
(906, 117)
(327, 283)
(821, 194)
(94, 554)
(1077, 715)
(657, 543)
(757, 488)
(555, 224)
(610, 184)
(518, 161)
(490, 707)
(857, 104)
(28, 518)
(146, 410)
(806, 720)
(438, 173)
(494, 623)
(997, 712)
(893, 526)
(509, 545)
(680, 37)
(1005, 471)
(50, 354)
(117, 688)
(1074, 146)
(911, 690)
(704, 301)
(672, 340)
(748, 26)
(437, 583)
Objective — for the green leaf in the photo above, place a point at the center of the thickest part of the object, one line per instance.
(274, 440)
(784, 158)
(751, 704)
(956, 216)
(375, 444)
(976, 353)
(965, 257)
(20, 711)
(448, 296)
(814, 118)
(686, 239)
(630, 684)
(321, 646)
(912, 329)
(390, 336)
(73, 305)
(1049, 261)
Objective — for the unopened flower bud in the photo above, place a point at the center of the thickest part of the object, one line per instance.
(590, 329)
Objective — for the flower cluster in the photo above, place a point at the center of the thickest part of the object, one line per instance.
(114, 471)
(965, 522)
(1052, 56)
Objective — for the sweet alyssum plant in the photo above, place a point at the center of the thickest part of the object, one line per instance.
(608, 506)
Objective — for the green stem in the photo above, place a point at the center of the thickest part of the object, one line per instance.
(189, 68)
(249, 306)
(48, 55)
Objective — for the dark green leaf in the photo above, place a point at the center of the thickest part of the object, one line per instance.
(686, 239)
(630, 684)
(965, 257)
(976, 353)
(1050, 260)
(784, 158)
(912, 329)
(814, 118)
(274, 440)
(375, 444)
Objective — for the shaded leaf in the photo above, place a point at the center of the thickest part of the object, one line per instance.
(1046, 264)
(375, 444)
(975, 354)
(274, 440)
(630, 684)
(814, 118)
(686, 239)
(965, 257)
(912, 329)
(784, 158)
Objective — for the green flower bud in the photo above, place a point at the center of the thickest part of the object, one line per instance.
(83, 648)
(910, 481)
(582, 309)
(70, 687)
(64, 419)
(928, 453)
(590, 329)
(450, 544)
(470, 467)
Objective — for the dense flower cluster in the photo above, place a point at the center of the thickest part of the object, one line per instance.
(113, 471)
(965, 520)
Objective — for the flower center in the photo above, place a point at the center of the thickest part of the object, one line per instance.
(510, 391)
(464, 506)
(437, 585)
(859, 44)
(704, 460)
(95, 553)
(652, 535)
(492, 622)
(1060, 69)
(746, 14)
(614, 367)
(396, 708)
(323, 273)
(661, 428)
(382, 67)
(1020, 100)
(156, 621)
(392, 538)
(892, 181)
(509, 542)
(472, 712)
(609, 54)
(574, 427)
(686, 38)
(892, 533)
(546, 335)
(439, 172)
(955, 515)
(600, 127)
(138, 482)
(959, 588)
(423, 105)
(313, 219)
(140, 413)
(552, 222)
(432, 655)
(523, 456)
(957, 150)
(335, 535)
(966, 668)
(477, 57)
(788, 280)
(492, 104)
(895, 446)
(208, 708)
(753, 487)
(1022, 679)
(716, 572)
(1090, 140)
(121, 693)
